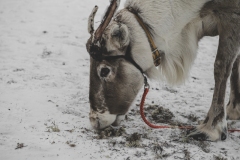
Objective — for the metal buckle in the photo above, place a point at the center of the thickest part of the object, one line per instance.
(146, 84)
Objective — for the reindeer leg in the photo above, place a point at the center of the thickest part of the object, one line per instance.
(233, 107)
(215, 126)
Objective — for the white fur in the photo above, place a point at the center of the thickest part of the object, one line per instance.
(175, 25)
(101, 120)
(233, 112)
(215, 133)
(119, 119)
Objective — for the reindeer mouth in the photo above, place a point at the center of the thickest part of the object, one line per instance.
(118, 120)
(103, 120)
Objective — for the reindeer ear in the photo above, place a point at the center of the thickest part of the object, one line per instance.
(120, 35)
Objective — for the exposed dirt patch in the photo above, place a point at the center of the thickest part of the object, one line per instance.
(182, 138)
(71, 144)
(160, 114)
(219, 158)
(134, 140)
(20, 145)
(110, 132)
(156, 114)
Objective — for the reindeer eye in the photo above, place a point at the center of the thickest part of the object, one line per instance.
(104, 72)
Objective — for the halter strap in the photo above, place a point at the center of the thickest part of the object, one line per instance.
(127, 57)
(156, 54)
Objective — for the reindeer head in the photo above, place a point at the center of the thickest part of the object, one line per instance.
(110, 38)
(114, 79)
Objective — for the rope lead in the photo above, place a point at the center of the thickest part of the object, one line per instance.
(146, 90)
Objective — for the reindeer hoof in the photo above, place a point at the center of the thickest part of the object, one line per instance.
(201, 133)
(204, 137)
(193, 133)
(223, 136)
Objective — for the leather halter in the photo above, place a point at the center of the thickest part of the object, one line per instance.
(156, 54)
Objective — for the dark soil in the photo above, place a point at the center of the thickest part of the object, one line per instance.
(110, 132)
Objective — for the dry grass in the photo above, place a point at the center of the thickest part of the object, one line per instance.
(53, 128)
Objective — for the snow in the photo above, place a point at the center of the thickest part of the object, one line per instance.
(44, 81)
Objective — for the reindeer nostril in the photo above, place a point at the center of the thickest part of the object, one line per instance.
(104, 72)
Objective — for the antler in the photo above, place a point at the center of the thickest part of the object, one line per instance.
(93, 46)
(107, 18)
(91, 20)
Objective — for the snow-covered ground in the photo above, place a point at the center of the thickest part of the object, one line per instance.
(44, 81)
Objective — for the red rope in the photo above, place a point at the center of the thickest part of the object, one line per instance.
(161, 127)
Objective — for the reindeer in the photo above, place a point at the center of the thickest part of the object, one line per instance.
(159, 38)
